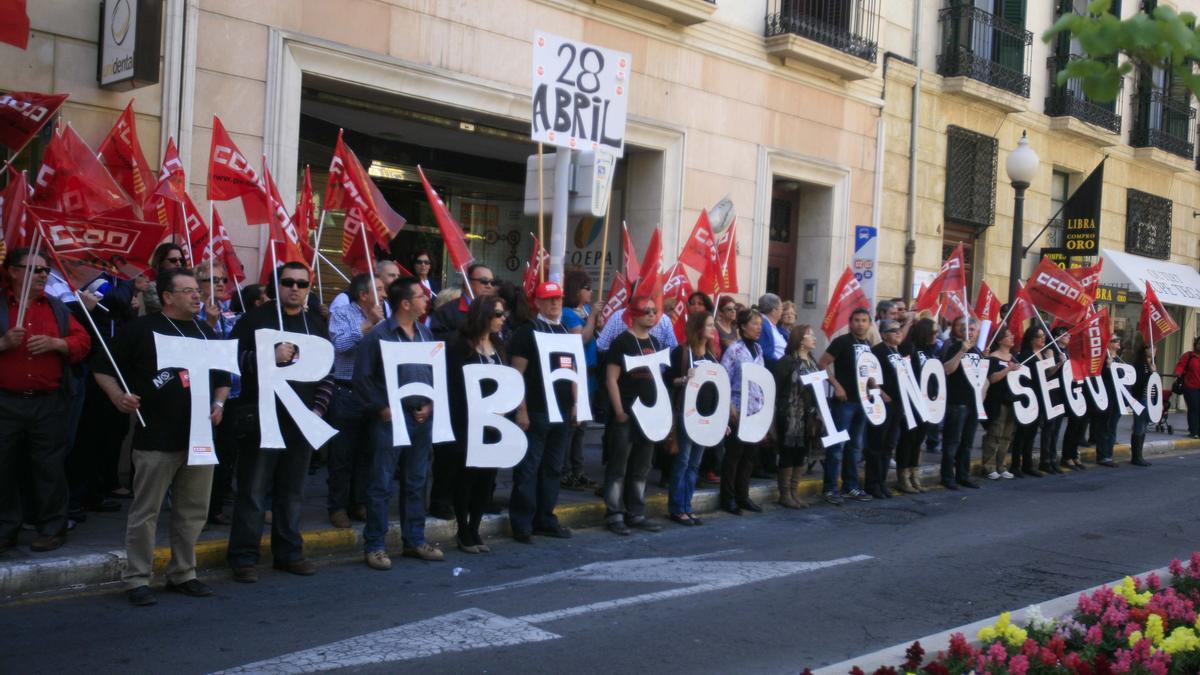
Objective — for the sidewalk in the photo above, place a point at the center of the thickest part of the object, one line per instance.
(94, 552)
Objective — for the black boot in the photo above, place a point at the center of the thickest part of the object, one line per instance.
(1136, 444)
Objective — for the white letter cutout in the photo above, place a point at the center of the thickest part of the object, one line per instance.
(1048, 385)
(752, 428)
(197, 357)
(706, 431)
(313, 362)
(976, 372)
(654, 420)
(1073, 391)
(1124, 375)
(396, 354)
(569, 343)
(867, 367)
(934, 370)
(1025, 404)
(1154, 397)
(1097, 392)
(833, 435)
(488, 411)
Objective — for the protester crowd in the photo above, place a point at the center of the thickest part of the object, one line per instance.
(66, 408)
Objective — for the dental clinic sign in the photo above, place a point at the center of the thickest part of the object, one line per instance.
(580, 94)
(130, 42)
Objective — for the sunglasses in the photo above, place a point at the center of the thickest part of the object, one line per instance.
(174, 261)
(482, 281)
(215, 280)
(501, 314)
(422, 262)
(186, 291)
(38, 269)
(293, 283)
(650, 311)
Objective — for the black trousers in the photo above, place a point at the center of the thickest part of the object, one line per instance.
(445, 467)
(908, 447)
(1076, 427)
(1049, 449)
(1022, 445)
(878, 454)
(472, 493)
(93, 460)
(33, 430)
(736, 468)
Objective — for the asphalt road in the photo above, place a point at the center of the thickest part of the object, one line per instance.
(904, 568)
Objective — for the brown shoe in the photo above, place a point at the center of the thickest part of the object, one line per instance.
(302, 567)
(245, 575)
(424, 552)
(48, 542)
(339, 519)
(378, 560)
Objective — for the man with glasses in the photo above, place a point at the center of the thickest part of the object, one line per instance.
(160, 448)
(35, 385)
(279, 472)
(386, 271)
(449, 318)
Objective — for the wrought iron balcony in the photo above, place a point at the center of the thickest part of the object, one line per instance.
(1162, 122)
(1068, 100)
(849, 26)
(985, 47)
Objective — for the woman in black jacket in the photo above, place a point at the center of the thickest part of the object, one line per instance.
(1144, 363)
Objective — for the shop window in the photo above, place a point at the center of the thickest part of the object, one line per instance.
(970, 177)
(1148, 224)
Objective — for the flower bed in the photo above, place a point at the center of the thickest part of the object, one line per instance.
(1140, 626)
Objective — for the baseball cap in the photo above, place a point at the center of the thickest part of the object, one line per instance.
(548, 289)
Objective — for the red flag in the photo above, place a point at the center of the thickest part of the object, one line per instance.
(847, 296)
(349, 184)
(1088, 277)
(618, 295)
(956, 305)
(925, 300)
(283, 237)
(533, 268)
(952, 276)
(121, 154)
(85, 247)
(172, 181)
(305, 216)
(1053, 290)
(1153, 310)
(727, 254)
(24, 113)
(1089, 342)
(1018, 315)
(195, 228)
(631, 257)
(649, 273)
(12, 211)
(230, 176)
(14, 23)
(987, 305)
(677, 286)
(73, 181)
(700, 250)
(222, 248)
(354, 253)
(452, 235)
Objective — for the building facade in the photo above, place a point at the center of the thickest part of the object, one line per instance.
(801, 112)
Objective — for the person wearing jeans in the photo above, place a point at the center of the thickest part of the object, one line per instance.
(842, 459)
(962, 419)
(1105, 421)
(410, 464)
(700, 331)
(848, 414)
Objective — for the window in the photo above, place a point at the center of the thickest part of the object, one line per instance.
(1148, 224)
(970, 177)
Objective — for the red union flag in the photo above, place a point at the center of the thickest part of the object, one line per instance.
(956, 305)
(1019, 314)
(952, 276)
(677, 286)
(230, 176)
(987, 306)
(700, 250)
(1053, 290)
(847, 296)
(630, 255)
(452, 234)
(12, 211)
(172, 181)
(14, 23)
(122, 155)
(305, 218)
(73, 181)
(1088, 277)
(533, 269)
(727, 255)
(354, 252)
(1089, 342)
(22, 115)
(350, 185)
(86, 247)
(1154, 313)
(222, 248)
(618, 295)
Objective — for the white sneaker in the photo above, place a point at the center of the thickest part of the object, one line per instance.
(378, 560)
(993, 476)
(1005, 474)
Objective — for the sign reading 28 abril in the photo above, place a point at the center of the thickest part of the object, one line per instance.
(580, 94)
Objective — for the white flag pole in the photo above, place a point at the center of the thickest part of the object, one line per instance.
(362, 228)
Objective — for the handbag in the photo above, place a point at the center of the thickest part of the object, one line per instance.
(1177, 386)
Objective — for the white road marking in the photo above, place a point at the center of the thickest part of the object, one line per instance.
(477, 628)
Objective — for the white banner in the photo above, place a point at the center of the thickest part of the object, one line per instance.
(580, 94)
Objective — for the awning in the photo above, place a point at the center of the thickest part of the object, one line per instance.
(1174, 284)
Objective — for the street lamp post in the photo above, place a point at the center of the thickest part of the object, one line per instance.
(1022, 166)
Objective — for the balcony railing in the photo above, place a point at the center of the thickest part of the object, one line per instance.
(850, 26)
(1068, 100)
(985, 47)
(1162, 122)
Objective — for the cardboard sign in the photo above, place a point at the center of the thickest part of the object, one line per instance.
(433, 354)
(274, 382)
(870, 379)
(489, 412)
(197, 357)
(555, 370)
(654, 420)
(706, 430)
(752, 428)
(818, 382)
(580, 94)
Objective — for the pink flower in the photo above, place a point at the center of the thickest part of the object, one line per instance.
(997, 653)
(1153, 582)
(1019, 665)
(1094, 635)
(1175, 568)
(1124, 661)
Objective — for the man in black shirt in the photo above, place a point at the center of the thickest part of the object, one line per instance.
(962, 419)
(160, 448)
(881, 439)
(279, 472)
(537, 478)
(449, 318)
(848, 414)
(629, 452)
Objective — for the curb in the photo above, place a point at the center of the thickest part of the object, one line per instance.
(56, 574)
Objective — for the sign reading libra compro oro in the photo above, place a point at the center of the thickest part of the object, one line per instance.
(580, 94)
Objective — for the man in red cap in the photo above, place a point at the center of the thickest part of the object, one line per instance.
(536, 479)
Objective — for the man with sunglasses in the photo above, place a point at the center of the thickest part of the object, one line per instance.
(449, 318)
(35, 386)
(278, 472)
